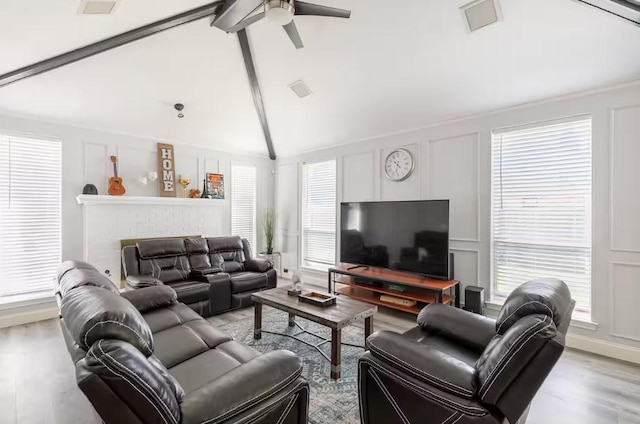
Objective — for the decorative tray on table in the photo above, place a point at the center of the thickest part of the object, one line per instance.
(319, 299)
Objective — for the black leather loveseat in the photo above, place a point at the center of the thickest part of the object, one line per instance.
(210, 275)
(458, 367)
(143, 358)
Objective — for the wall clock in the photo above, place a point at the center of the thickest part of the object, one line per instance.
(399, 165)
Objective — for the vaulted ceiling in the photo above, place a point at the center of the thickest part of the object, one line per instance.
(393, 66)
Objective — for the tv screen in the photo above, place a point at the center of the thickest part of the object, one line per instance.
(407, 236)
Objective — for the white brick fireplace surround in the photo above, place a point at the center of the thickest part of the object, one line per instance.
(109, 219)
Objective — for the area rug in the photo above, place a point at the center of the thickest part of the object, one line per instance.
(331, 401)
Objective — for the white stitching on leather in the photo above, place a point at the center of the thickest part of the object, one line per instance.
(419, 372)
(466, 409)
(518, 350)
(449, 417)
(459, 418)
(130, 383)
(136, 376)
(240, 408)
(520, 307)
(287, 409)
(119, 323)
(515, 343)
(390, 398)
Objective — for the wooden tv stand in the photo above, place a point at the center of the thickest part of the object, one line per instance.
(418, 288)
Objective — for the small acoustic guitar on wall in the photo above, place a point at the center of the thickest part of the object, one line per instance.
(115, 183)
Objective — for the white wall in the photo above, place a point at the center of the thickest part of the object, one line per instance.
(85, 159)
(454, 162)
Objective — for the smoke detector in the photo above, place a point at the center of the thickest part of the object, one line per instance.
(481, 13)
(300, 88)
(97, 7)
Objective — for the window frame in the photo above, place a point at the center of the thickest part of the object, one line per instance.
(30, 296)
(582, 314)
(302, 196)
(254, 245)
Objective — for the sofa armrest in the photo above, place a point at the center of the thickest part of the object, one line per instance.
(471, 330)
(140, 281)
(242, 388)
(434, 367)
(258, 265)
(150, 298)
(202, 273)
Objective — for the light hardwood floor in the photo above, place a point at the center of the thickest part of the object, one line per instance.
(37, 380)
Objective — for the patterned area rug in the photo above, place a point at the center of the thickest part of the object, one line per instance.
(331, 401)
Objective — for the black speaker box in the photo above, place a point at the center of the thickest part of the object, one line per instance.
(474, 299)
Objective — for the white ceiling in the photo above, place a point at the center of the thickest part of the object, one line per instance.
(389, 68)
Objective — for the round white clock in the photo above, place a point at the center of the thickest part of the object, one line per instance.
(399, 165)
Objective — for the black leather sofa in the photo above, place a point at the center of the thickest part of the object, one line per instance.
(144, 358)
(458, 367)
(210, 275)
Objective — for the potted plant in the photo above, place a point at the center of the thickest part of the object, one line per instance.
(269, 224)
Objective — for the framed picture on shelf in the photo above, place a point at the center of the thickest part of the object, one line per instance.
(215, 185)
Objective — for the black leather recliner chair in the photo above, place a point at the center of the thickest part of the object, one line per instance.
(211, 275)
(143, 358)
(459, 367)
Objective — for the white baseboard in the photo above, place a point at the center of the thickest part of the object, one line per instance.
(604, 348)
(27, 317)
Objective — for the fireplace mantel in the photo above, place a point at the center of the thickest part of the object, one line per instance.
(88, 199)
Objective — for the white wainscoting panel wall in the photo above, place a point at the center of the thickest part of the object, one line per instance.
(625, 179)
(452, 173)
(358, 177)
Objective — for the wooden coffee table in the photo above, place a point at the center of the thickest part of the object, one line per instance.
(346, 311)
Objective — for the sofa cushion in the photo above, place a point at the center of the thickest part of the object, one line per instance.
(161, 319)
(208, 366)
(167, 269)
(150, 298)
(83, 276)
(247, 281)
(198, 251)
(161, 248)
(92, 314)
(191, 291)
(230, 249)
(546, 296)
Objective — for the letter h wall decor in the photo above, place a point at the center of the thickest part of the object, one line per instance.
(166, 165)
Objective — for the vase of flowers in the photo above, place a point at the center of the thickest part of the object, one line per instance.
(268, 225)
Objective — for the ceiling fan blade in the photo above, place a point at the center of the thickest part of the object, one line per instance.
(303, 8)
(293, 34)
(246, 22)
(234, 11)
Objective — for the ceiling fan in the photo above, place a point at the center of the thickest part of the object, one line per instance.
(236, 15)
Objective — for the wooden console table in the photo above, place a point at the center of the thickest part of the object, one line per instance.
(418, 288)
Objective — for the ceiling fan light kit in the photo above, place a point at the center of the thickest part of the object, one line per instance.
(280, 12)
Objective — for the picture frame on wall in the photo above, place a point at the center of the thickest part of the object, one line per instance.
(215, 185)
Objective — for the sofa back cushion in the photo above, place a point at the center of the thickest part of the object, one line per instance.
(545, 296)
(228, 252)
(198, 251)
(142, 383)
(164, 259)
(92, 314)
(74, 274)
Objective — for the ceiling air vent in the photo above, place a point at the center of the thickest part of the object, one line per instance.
(626, 9)
(97, 7)
(300, 88)
(481, 13)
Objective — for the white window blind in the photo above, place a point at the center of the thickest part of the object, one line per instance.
(243, 202)
(541, 204)
(30, 214)
(319, 214)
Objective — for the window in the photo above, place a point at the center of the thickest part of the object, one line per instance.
(319, 214)
(30, 214)
(541, 207)
(243, 202)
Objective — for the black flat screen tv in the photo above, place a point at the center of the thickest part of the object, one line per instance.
(406, 236)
